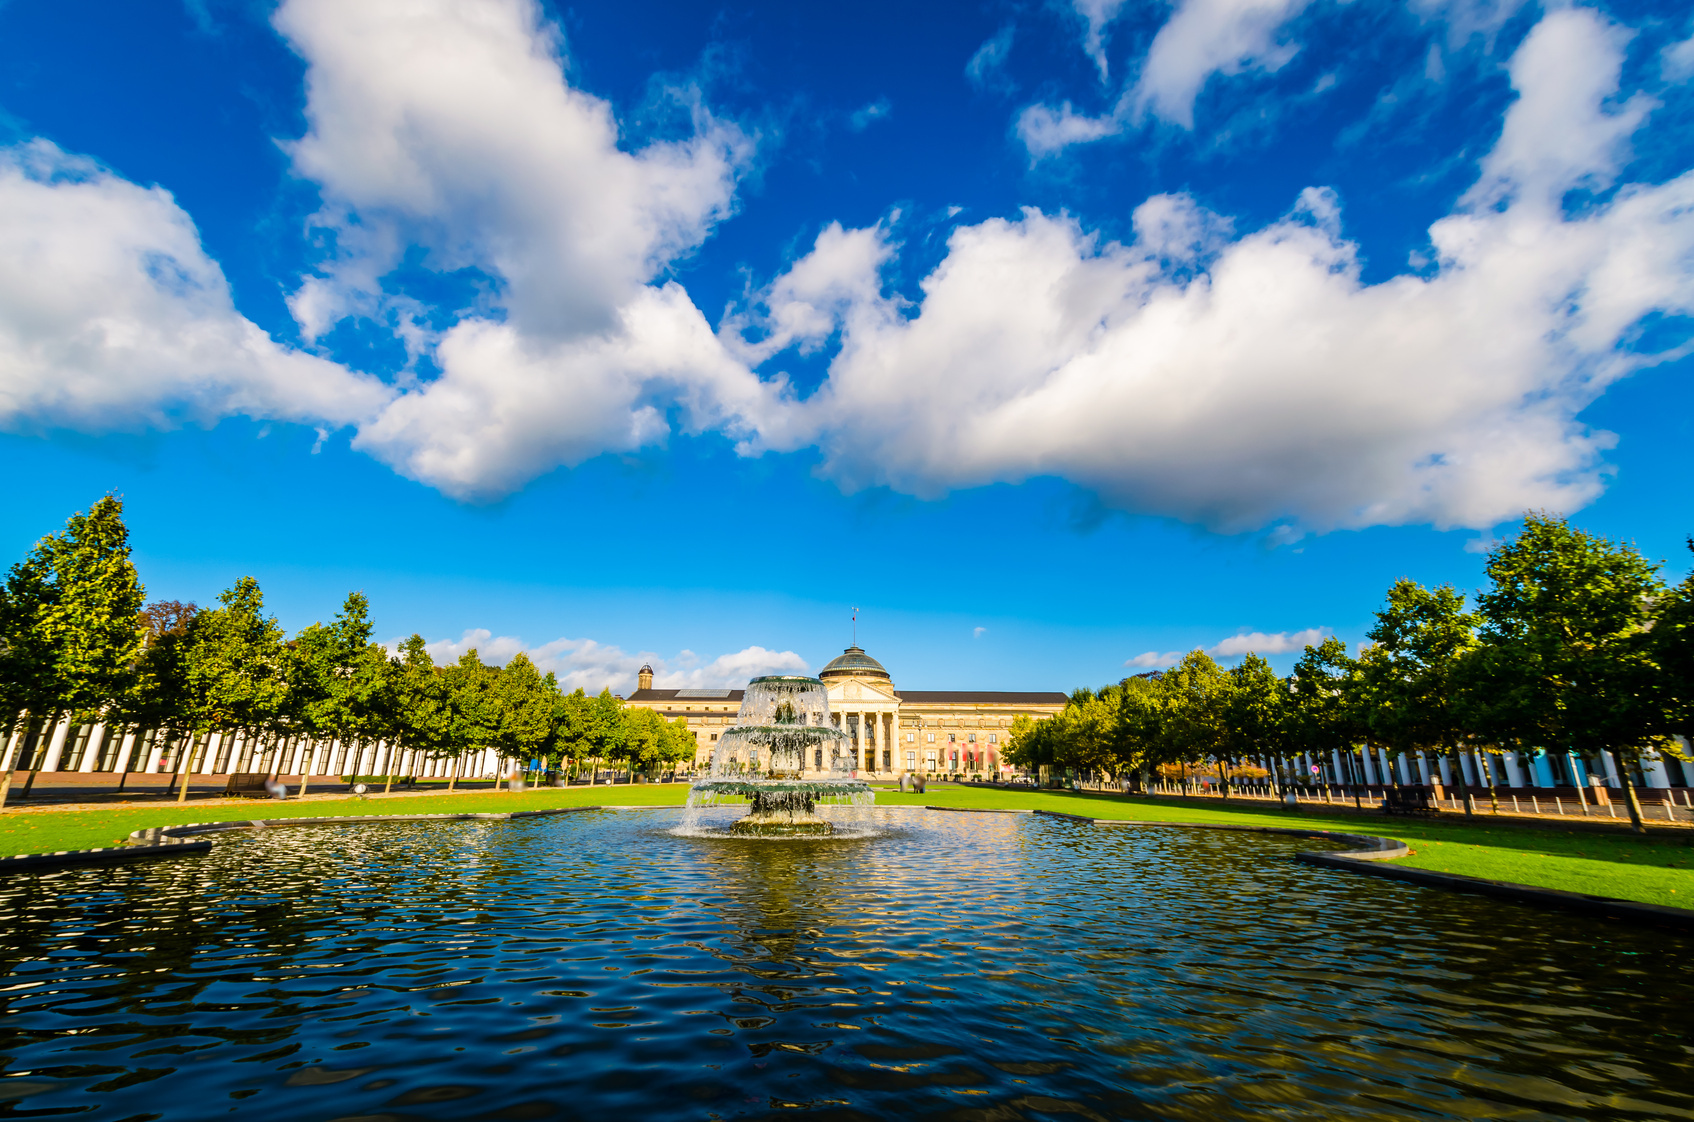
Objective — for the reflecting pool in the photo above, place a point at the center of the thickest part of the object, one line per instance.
(960, 966)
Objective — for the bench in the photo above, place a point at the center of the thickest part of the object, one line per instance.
(247, 785)
(1407, 800)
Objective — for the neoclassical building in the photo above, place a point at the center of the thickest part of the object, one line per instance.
(892, 732)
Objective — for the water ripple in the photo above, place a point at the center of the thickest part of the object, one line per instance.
(954, 966)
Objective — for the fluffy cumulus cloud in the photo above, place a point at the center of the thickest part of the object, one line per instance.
(1244, 381)
(1258, 642)
(450, 127)
(591, 666)
(1247, 642)
(112, 316)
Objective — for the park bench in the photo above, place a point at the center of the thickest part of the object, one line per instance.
(247, 785)
(1407, 800)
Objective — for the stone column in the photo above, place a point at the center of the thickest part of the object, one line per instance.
(56, 746)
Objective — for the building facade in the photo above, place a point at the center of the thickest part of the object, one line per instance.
(928, 732)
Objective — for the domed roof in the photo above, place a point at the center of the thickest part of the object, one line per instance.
(853, 663)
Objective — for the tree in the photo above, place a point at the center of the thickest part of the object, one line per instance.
(1255, 714)
(1422, 638)
(417, 698)
(604, 736)
(525, 704)
(337, 679)
(1324, 713)
(233, 670)
(1196, 708)
(473, 709)
(68, 622)
(1672, 650)
(1567, 618)
(567, 735)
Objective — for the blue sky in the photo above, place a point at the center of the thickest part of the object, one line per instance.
(1056, 338)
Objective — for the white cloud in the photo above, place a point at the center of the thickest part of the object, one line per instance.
(986, 66)
(1258, 642)
(1255, 381)
(1044, 131)
(1676, 61)
(978, 632)
(867, 115)
(1206, 37)
(592, 666)
(112, 316)
(1560, 134)
(1096, 16)
(1149, 659)
(451, 127)
(1201, 38)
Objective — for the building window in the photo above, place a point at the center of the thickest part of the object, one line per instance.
(714, 736)
(911, 759)
(973, 738)
(887, 760)
(992, 739)
(932, 741)
(911, 738)
(952, 738)
(818, 757)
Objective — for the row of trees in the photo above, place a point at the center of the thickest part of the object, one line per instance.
(79, 641)
(1576, 647)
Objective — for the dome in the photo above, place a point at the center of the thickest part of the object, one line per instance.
(853, 663)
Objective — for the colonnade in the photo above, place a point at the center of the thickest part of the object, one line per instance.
(97, 748)
(871, 731)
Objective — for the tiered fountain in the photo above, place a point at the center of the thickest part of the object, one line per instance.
(784, 755)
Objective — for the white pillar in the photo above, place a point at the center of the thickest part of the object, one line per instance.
(1514, 773)
(1653, 770)
(126, 748)
(56, 746)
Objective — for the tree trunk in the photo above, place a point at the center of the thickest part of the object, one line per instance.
(184, 765)
(1629, 796)
(388, 766)
(306, 767)
(453, 775)
(1464, 787)
(48, 725)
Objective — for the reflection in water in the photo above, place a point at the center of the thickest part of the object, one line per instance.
(959, 966)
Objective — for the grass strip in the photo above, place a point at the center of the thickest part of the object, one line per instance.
(1656, 869)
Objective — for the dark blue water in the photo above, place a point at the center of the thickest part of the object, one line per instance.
(961, 966)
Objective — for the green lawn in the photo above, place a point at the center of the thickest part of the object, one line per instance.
(1658, 869)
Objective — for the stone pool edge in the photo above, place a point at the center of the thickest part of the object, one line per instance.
(1365, 861)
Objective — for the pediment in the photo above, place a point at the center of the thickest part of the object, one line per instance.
(855, 689)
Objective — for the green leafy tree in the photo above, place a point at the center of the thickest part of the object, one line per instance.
(525, 702)
(233, 671)
(1570, 663)
(473, 709)
(568, 733)
(604, 738)
(417, 697)
(338, 680)
(1255, 715)
(69, 633)
(1672, 650)
(1196, 694)
(1422, 637)
(1324, 714)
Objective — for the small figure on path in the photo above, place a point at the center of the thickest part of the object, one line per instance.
(276, 787)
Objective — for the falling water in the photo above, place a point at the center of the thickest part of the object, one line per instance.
(784, 757)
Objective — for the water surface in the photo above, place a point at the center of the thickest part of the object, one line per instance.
(959, 966)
